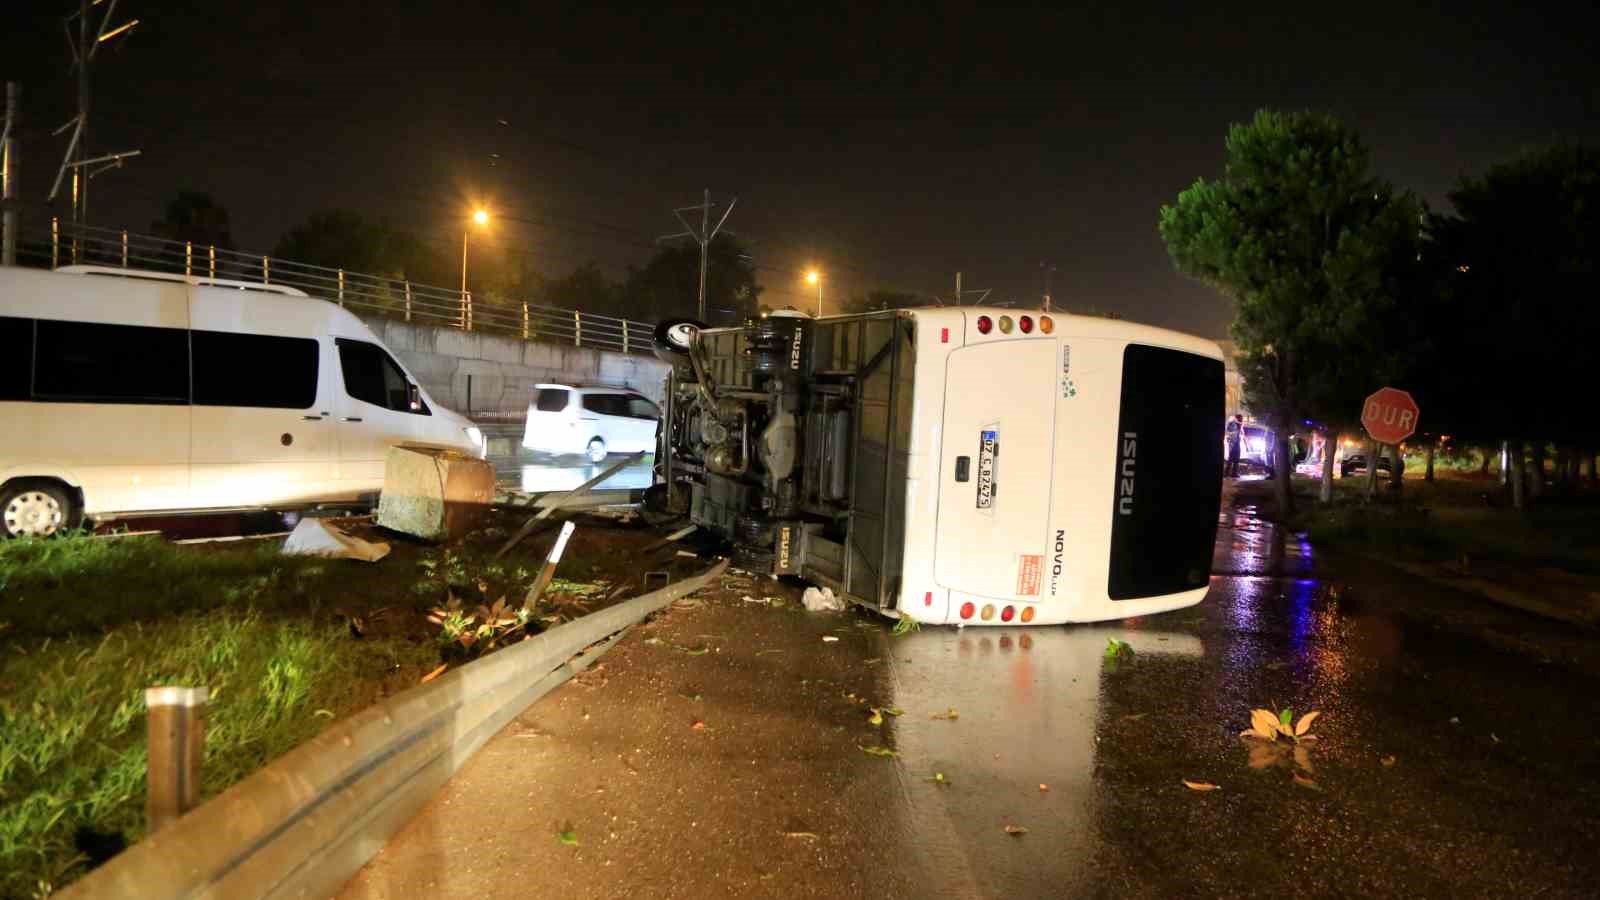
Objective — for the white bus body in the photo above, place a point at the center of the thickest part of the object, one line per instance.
(958, 465)
(129, 393)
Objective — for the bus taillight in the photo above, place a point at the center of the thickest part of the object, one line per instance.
(985, 324)
(1005, 324)
(1027, 614)
(966, 610)
(1006, 614)
(1046, 325)
(1026, 324)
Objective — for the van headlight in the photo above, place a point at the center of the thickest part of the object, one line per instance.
(475, 435)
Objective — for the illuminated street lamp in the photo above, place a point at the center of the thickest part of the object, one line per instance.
(815, 277)
(480, 217)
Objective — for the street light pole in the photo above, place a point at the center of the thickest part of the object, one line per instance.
(815, 277)
(481, 218)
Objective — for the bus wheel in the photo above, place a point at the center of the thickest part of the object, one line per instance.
(36, 509)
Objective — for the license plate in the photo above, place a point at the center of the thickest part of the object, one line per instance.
(988, 449)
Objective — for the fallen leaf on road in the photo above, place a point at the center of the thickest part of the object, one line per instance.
(938, 778)
(1200, 785)
(568, 836)
(829, 639)
(1494, 737)
(698, 726)
(809, 835)
(1133, 717)
(1305, 782)
(1387, 761)
(327, 713)
(875, 750)
(1044, 788)
(876, 718)
(434, 674)
(948, 715)
(1015, 830)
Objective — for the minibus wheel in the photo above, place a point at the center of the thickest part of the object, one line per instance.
(36, 509)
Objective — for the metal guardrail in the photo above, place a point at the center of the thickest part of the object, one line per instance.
(68, 244)
(302, 826)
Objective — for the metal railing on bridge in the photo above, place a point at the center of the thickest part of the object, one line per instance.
(68, 244)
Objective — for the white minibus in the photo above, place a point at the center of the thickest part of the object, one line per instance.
(125, 393)
(975, 466)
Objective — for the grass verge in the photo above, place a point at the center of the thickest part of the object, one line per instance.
(72, 730)
(1447, 519)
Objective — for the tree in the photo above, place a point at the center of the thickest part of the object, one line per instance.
(1517, 266)
(669, 285)
(586, 289)
(1304, 239)
(340, 239)
(196, 218)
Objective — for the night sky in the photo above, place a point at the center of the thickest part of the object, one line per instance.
(892, 147)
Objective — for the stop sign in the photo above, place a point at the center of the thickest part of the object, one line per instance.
(1390, 415)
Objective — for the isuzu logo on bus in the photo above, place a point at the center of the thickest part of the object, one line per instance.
(1130, 444)
(794, 351)
(988, 448)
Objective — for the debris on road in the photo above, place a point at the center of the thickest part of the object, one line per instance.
(1387, 761)
(1016, 830)
(939, 779)
(434, 674)
(315, 537)
(821, 600)
(876, 750)
(568, 835)
(948, 715)
(1200, 785)
(829, 639)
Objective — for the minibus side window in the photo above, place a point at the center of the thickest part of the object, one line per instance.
(90, 362)
(372, 376)
(254, 370)
(16, 360)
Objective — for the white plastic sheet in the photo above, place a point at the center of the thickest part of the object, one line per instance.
(315, 537)
(822, 600)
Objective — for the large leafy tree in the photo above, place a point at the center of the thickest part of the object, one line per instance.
(1518, 267)
(1312, 247)
(196, 218)
(669, 285)
(340, 239)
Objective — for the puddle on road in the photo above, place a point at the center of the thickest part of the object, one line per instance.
(1029, 707)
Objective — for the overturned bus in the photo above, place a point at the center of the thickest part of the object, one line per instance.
(974, 466)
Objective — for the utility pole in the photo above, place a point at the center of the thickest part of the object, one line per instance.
(84, 47)
(982, 294)
(703, 236)
(8, 175)
(1049, 276)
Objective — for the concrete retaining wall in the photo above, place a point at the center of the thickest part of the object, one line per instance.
(503, 370)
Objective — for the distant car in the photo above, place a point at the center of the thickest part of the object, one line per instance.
(1354, 462)
(592, 421)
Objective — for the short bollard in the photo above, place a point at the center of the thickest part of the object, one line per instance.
(177, 740)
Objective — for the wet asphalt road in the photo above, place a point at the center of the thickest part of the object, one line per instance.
(1458, 754)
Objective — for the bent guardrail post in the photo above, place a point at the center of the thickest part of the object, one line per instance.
(304, 824)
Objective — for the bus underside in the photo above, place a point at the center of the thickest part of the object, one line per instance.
(788, 438)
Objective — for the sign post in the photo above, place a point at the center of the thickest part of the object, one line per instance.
(1390, 416)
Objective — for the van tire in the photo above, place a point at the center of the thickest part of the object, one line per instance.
(667, 341)
(29, 505)
(596, 451)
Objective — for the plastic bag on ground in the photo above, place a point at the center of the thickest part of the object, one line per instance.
(315, 537)
(821, 600)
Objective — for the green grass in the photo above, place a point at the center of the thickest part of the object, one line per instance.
(72, 720)
(1451, 517)
(74, 583)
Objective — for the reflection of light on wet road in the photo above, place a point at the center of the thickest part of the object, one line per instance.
(1029, 706)
(564, 475)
